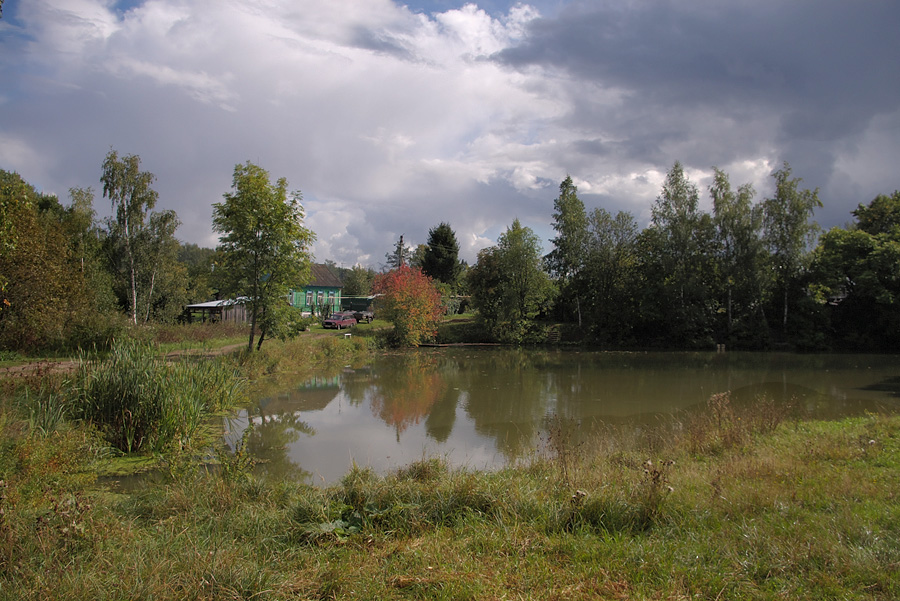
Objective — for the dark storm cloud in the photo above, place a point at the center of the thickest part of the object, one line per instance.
(799, 56)
(394, 117)
(820, 70)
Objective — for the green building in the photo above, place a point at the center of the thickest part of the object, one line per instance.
(321, 296)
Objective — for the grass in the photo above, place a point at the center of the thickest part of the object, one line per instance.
(301, 355)
(139, 400)
(726, 507)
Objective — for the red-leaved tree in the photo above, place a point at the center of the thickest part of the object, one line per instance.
(410, 301)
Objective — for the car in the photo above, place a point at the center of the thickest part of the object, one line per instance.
(368, 316)
(339, 321)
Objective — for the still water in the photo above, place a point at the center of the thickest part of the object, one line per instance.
(482, 408)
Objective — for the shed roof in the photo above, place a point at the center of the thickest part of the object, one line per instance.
(322, 277)
(219, 303)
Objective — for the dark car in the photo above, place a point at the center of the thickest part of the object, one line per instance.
(361, 316)
(339, 320)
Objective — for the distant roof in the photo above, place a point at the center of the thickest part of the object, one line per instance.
(323, 277)
(219, 303)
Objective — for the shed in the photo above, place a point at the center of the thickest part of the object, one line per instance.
(233, 310)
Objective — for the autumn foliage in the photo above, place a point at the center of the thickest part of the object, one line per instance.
(410, 301)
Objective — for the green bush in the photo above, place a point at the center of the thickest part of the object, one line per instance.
(97, 331)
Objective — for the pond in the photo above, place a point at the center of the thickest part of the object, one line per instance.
(482, 408)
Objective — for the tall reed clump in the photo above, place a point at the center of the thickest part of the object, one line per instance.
(139, 401)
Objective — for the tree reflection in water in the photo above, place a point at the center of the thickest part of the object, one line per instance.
(405, 394)
(278, 422)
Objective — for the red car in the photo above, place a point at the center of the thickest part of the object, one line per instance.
(340, 320)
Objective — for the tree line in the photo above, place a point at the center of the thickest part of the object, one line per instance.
(750, 274)
(69, 280)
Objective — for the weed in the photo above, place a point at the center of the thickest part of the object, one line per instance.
(426, 470)
(237, 467)
(651, 492)
(11, 356)
(65, 524)
(203, 333)
(564, 451)
(723, 426)
(46, 410)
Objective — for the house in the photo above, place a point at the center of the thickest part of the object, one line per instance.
(231, 310)
(321, 296)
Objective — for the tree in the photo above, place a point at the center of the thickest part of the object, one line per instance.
(677, 250)
(86, 243)
(881, 216)
(856, 273)
(400, 256)
(417, 256)
(508, 286)
(263, 245)
(410, 301)
(441, 258)
(484, 281)
(609, 271)
(566, 261)
(200, 265)
(359, 281)
(45, 296)
(14, 192)
(165, 278)
(136, 236)
(740, 252)
(788, 231)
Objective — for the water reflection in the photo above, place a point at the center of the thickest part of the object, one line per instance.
(482, 408)
(405, 394)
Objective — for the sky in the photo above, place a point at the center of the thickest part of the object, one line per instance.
(391, 118)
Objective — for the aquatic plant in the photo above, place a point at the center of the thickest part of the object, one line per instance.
(139, 400)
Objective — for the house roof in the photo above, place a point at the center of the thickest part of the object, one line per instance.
(322, 277)
(219, 303)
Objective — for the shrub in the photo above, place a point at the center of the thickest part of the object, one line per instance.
(411, 302)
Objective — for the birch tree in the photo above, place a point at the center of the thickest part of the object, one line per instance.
(740, 249)
(789, 230)
(132, 197)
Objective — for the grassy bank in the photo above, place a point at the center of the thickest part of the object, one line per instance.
(726, 506)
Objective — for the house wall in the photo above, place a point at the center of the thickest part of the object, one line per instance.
(317, 300)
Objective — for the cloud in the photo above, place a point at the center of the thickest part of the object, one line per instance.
(720, 83)
(392, 118)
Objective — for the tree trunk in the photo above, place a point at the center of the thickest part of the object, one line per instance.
(784, 322)
(134, 299)
(130, 251)
(262, 335)
(150, 295)
(729, 309)
(253, 306)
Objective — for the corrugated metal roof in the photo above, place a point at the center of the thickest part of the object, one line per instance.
(323, 277)
(219, 303)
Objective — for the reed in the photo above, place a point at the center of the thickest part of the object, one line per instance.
(139, 401)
